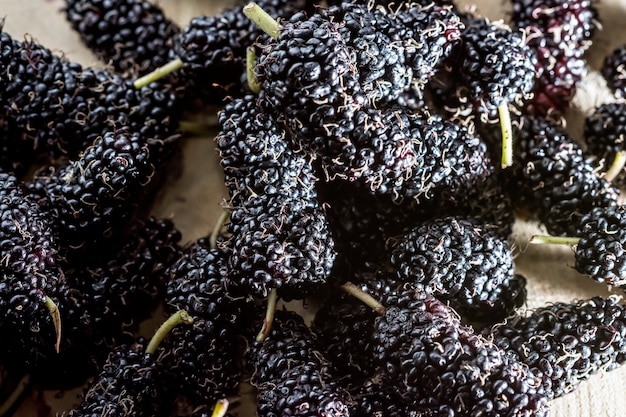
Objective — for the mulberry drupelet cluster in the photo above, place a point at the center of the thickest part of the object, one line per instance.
(97, 192)
(613, 71)
(604, 133)
(133, 36)
(203, 364)
(279, 237)
(290, 373)
(554, 179)
(565, 343)
(559, 31)
(429, 359)
(459, 262)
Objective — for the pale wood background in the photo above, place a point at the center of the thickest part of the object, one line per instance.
(192, 199)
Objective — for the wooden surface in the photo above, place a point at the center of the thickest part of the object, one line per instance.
(192, 199)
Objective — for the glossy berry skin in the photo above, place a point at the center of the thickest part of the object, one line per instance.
(110, 294)
(26, 321)
(559, 31)
(600, 251)
(554, 179)
(36, 91)
(371, 399)
(29, 274)
(428, 358)
(256, 155)
(204, 360)
(396, 51)
(383, 71)
(343, 325)
(97, 192)
(213, 50)
(116, 291)
(612, 70)
(452, 161)
(491, 66)
(462, 263)
(310, 83)
(291, 374)
(603, 134)
(130, 383)
(565, 343)
(59, 107)
(279, 233)
(278, 243)
(133, 36)
(28, 243)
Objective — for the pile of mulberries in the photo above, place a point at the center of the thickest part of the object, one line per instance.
(356, 153)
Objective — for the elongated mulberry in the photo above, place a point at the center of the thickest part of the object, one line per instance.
(565, 343)
(310, 83)
(257, 158)
(428, 358)
(97, 192)
(554, 179)
(290, 373)
(133, 36)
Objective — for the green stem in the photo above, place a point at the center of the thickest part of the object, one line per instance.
(253, 82)
(218, 227)
(507, 135)
(56, 320)
(262, 19)
(269, 316)
(15, 395)
(221, 407)
(616, 167)
(554, 240)
(361, 295)
(158, 73)
(180, 317)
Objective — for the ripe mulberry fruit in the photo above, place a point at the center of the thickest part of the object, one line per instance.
(554, 179)
(613, 71)
(430, 359)
(565, 343)
(462, 263)
(97, 192)
(290, 373)
(278, 243)
(133, 36)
